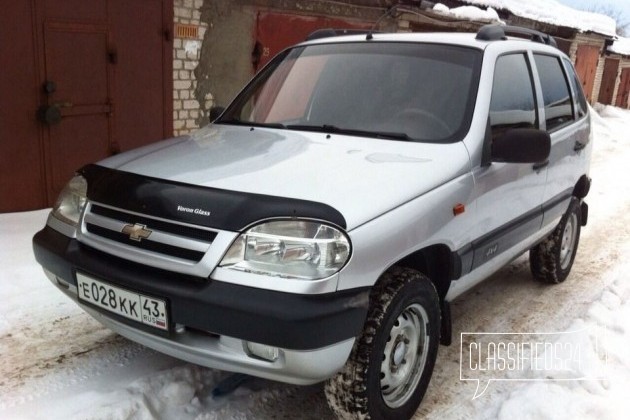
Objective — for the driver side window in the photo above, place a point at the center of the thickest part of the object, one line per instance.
(512, 104)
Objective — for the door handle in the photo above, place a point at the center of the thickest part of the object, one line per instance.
(579, 146)
(51, 114)
(538, 166)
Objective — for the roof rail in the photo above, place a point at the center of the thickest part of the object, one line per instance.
(496, 32)
(329, 32)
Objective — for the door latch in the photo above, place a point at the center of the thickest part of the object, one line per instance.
(51, 114)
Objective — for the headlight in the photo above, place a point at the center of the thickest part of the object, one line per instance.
(290, 248)
(71, 201)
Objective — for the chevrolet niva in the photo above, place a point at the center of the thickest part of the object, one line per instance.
(319, 227)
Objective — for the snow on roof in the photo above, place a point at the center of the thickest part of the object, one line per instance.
(468, 12)
(552, 12)
(620, 46)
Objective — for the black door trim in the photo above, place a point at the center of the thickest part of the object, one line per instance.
(486, 247)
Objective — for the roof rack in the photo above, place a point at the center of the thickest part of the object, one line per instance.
(496, 32)
(329, 32)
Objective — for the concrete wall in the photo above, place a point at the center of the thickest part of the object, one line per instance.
(226, 54)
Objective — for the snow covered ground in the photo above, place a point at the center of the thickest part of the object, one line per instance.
(58, 363)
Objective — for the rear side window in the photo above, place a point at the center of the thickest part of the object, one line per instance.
(580, 99)
(555, 90)
(512, 104)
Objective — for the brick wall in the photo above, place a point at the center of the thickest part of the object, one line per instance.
(599, 75)
(186, 53)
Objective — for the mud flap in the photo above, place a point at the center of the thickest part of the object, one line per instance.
(583, 213)
(446, 329)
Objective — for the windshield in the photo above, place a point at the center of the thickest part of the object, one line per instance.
(400, 91)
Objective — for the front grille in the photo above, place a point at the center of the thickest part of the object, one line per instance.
(175, 229)
(147, 244)
(166, 238)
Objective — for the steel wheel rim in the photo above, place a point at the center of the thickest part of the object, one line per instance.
(567, 245)
(405, 356)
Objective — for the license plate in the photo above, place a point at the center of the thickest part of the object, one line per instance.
(136, 306)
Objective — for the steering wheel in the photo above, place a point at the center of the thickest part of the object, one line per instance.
(429, 122)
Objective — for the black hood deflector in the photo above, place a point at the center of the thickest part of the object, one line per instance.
(228, 210)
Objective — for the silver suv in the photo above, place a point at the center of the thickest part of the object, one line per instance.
(319, 227)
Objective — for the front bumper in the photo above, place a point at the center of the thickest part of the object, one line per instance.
(210, 321)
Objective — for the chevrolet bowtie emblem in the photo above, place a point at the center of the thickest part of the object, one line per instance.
(137, 232)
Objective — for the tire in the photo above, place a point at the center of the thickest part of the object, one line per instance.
(551, 260)
(404, 310)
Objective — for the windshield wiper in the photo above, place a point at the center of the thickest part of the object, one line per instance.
(251, 123)
(326, 128)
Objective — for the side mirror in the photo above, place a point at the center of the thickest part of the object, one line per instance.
(521, 145)
(215, 112)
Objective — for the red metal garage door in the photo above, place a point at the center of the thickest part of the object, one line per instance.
(624, 89)
(143, 72)
(21, 169)
(611, 67)
(78, 109)
(586, 66)
(86, 80)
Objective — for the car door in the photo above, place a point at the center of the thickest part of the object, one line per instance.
(565, 119)
(508, 195)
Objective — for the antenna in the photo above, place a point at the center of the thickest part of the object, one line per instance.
(389, 12)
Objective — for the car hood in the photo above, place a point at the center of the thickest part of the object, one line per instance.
(360, 177)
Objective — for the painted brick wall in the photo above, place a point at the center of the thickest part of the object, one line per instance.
(599, 75)
(186, 53)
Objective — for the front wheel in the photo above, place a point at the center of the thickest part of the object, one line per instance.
(551, 260)
(391, 363)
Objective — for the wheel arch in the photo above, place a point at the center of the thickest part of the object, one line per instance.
(580, 191)
(582, 187)
(437, 263)
(434, 262)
